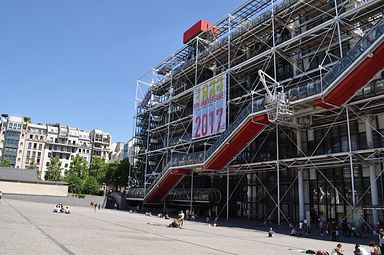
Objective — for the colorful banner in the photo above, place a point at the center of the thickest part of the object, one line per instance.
(209, 107)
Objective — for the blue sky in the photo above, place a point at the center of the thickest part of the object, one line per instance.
(76, 62)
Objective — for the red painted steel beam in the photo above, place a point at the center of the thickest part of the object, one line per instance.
(354, 81)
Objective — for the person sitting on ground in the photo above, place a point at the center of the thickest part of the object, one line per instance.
(271, 233)
(66, 210)
(360, 250)
(375, 248)
(56, 209)
(319, 252)
(175, 224)
(338, 250)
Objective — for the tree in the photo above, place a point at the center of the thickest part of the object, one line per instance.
(117, 174)
(32, 165)
(98, 169)
(75, 184)
(5, 162)
(79, 167)
(53, 172)
(91, 186)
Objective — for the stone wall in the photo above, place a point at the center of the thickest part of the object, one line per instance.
(27, 188)
(70, 200)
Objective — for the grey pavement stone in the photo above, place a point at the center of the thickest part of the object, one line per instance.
(32, 228)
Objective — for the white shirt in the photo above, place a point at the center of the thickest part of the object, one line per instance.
(363, 251)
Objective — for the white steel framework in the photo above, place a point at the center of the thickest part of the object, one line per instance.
(294, 44)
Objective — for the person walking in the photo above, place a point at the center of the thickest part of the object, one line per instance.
(1, 194)
(301, 228)
(181, 216)
(334, 230)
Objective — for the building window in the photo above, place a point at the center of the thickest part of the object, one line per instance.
(34, 146)
(40, 146)
(31, 136)
(66, 165)
(28, 154)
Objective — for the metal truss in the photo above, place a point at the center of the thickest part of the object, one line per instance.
(293, 42)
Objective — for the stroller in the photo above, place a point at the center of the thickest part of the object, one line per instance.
(356, 232)
(294, 232)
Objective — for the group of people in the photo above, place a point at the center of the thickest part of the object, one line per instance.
(333, 228)
(179, 221)
(375, 249)
(59, 208)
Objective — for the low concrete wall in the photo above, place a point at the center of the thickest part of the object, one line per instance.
(45, 189)
(70, 200)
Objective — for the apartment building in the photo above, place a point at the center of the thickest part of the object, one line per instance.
(117, 151)
(101, 142)
(12, 138)
(34, 145)
(24, 143)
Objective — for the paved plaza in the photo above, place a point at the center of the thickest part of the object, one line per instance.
(32, 228)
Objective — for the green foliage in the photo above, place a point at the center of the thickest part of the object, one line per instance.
(117, 173)
(98, 169)
(32, 165)
(4, 162)
(75, 184)
(53, 172)
(91, 186)
(79, 167)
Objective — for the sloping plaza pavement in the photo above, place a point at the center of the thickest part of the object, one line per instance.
(32, 228)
